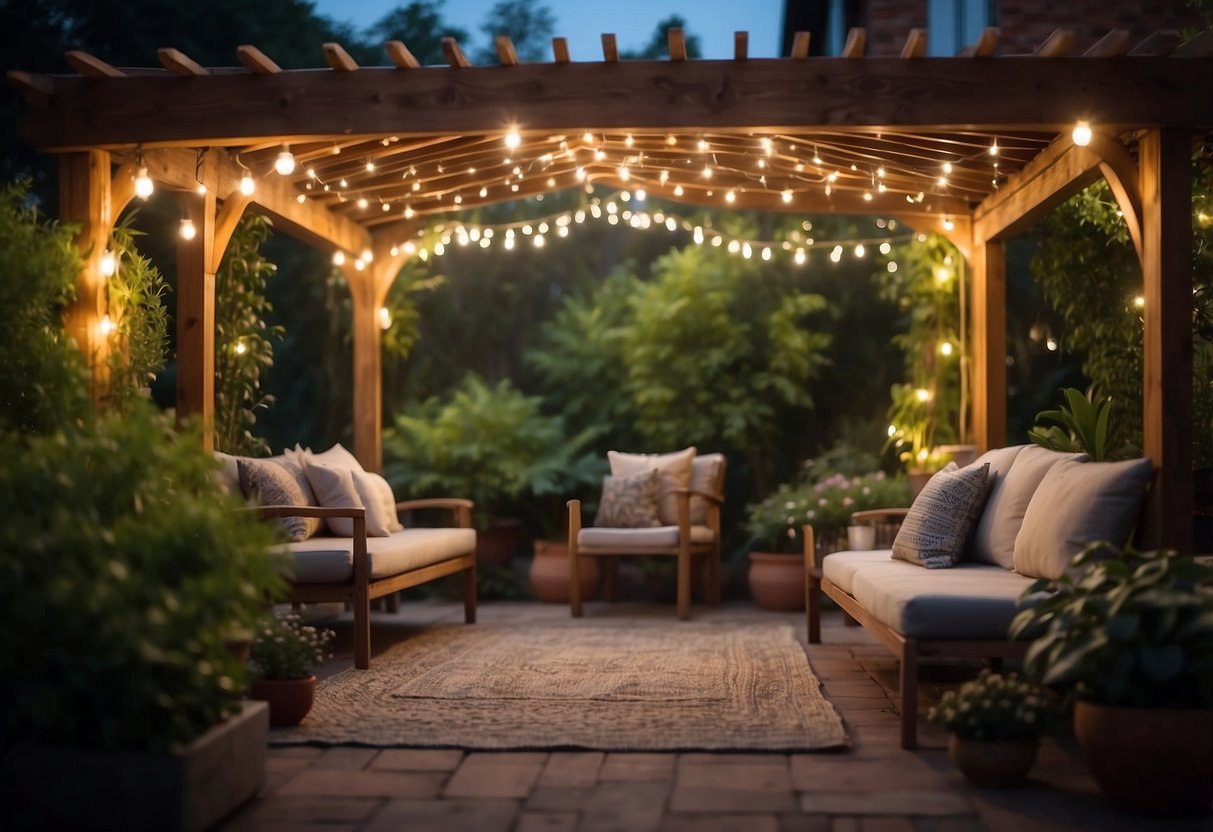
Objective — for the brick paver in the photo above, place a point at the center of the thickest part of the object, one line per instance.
(496, 775)
(418, 759)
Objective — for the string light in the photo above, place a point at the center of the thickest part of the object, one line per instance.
(946, 348)
(143, 184)
(246, 184)
(338, 258)
(107, 326)
(922, 394)
(240, 348)
(188, 231)
(1081, 134)
(385, 318)
(285, 163)
(108, 264)
(512, 139)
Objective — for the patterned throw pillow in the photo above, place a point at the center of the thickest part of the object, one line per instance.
(674, 473)
(630, 502)
(280, 483)
(934, 531)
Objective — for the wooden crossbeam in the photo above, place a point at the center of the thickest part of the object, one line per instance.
(677, 44)
(179, 63)
(1056, 45)
(454, 55)
(92, 67)
(857, 39)
(916, 44)
(560, 50)
(1200, 46)
(400, 56)
(610, 49)
(256, 61)
(741, 46)
(800, 46)
(337, 58)
(1162, 42)
(1114, 43)
(506, 54)
(987, 44)
(36, 89)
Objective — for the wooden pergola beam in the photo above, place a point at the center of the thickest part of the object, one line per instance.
(986, 46)
(916, 44)
(560, 50)
(400, 56)
(454, 55)
(632, 95)
(677, 44)
(800, 46)
(506, 54)
(256, 61)
(178, 63)
(337, 58)
(91, 66)
(741, 46)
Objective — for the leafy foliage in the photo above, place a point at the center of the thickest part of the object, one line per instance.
(659, 44)
(420, 26)
(243, 346)
(42, 382)
(1131, 629)
(286, 648)
(140, 318)
(492, 445)
(527, 23)
(1086, 424)
(995, 707)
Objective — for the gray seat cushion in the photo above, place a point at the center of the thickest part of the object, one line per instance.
(659, 537)
(968, 601)
(841, 567)
(331, 559)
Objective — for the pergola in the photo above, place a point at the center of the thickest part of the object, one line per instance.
(975, 147)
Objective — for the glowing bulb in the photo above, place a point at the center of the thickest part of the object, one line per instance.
(362, 203)
(246, 185)
(799, 258)
(200, 190)
(860, 250)
(107, 326)
(746, 251)
(239, 348)
(892, 430)
(409, 213)
(766, 253)
(707, 172)
(730, 197)
(836, 254)
(945, 348)
(1081, 134)
(624, 173)
(1139, 302)
(698, 235)
(677, 190)
(285, 163)
(539, 241)
(768, 146)
(892, 267)
(366, 256)
(922, 394)
(385, 318)
(301, 199)
(734, 246)
(994, 148)
(942, 275)
(143, 184)
(1051, 344)
(641, 195)
(948, 224)
(188, 232)
(629, 140)
(512, 139)
(338, 258)
(786, 196)
(947, 167)
(359, 265)
(885, 248)
(509, 243)
(703, 145)
(587, 137)
(108, 264)
(370, 166)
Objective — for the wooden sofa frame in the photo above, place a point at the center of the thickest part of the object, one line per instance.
(909, 651)
(361, 589)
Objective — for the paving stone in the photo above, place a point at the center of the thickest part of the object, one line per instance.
(845, 825)
(350, 783)
(734, 787)
(418, 759)
(557, 799)
(945, 824)
(294, 752)
(862, 703)
(885, 803)
(866, 690)
(572, 769)
(496, 775)
(314, 808)
(804, 823)
(286, 764)
(629, 766)
(345, 757)
(889, 824)
(624, 807)
(445, 816)
(275, 825)
(720, 823)
(817, 773)
(697, 758)
(547, 822)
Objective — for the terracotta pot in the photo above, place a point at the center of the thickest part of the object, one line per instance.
(918, 479)
(289, 699)
(777, 581)
(496, 544)
(993, 764)
(550, 573)
(1149, 761)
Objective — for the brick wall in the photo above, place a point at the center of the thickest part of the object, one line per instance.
(889, 23)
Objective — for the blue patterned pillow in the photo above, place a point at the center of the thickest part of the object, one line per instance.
(934, 531)
(630, 502)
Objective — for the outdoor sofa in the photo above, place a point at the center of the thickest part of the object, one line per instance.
(1038, 509)
(348, 544)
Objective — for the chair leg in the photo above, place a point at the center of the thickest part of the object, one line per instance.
(908, 694)
(812, 606)
(362, 628)
(469, 592)
(684, 584)
(574, 583)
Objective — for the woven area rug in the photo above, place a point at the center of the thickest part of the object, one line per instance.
(615, 687)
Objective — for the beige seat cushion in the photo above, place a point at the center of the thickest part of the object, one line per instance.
(331, 559)
(968, 601)
(841, 567)
(639, 540)
(675, 471)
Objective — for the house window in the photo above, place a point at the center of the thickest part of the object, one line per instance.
(954, 24)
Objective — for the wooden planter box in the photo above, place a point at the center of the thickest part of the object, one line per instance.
(192, 789)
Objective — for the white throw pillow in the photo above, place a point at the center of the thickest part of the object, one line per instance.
(1076, 504)
(994, 539)
(334, 488)
(937, 525)
(675, 473)
(380, 503)
(279, 483)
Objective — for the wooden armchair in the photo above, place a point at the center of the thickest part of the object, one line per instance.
(686, 541)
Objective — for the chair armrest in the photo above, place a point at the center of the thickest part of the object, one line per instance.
(354, 512)
(879, 515)
(459, 507)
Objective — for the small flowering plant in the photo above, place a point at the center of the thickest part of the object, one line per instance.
(995, 707)
(827, 504)
(285, 648)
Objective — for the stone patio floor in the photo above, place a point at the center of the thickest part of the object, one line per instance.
(874, 786)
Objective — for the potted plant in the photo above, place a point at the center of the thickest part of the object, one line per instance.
(996, 723)
(283, 653)
(776, 559)
(1131, 638)
(914, 431)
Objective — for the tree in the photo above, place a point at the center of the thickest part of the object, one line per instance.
(659, 44)
(526, 23)
(420, 26)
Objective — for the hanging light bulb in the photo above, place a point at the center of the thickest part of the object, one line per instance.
(246, 184)
(188, 231)
(338, 258)
(239, 347)
(512, 139)
(108, 264)
(786, 196)
(107, 326)
(1081, 134)
(143, 184)
(285, 163)
(800, 257)
(385, 318)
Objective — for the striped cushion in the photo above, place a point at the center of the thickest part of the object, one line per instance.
(935, 529)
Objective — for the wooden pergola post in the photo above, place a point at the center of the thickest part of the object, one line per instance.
(85, 199)
(989, 317)
(1166, 263)
(368, 365)
(196, 267)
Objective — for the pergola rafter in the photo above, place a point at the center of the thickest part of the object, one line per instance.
(975, 147)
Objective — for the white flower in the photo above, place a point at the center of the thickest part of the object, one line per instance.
(791, 534)
(790, 504)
